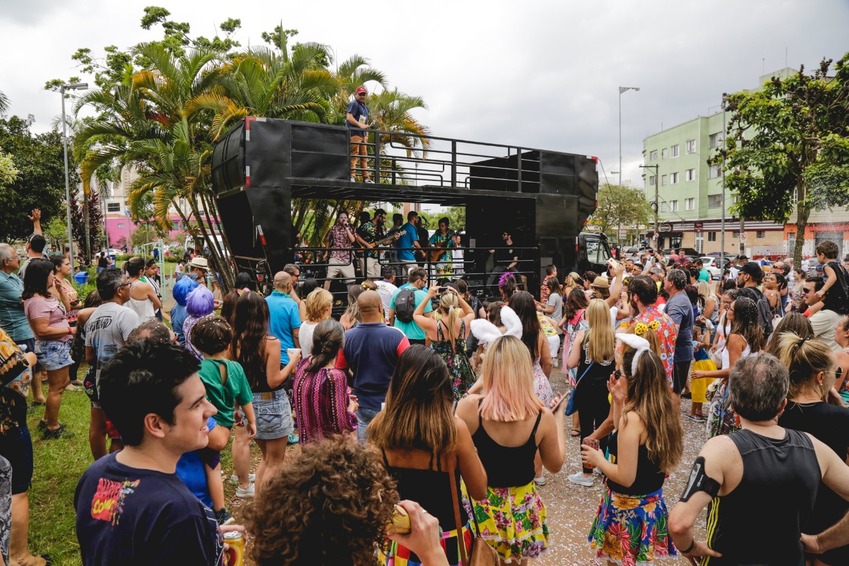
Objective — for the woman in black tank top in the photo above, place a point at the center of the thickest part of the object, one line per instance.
(631, 523)
(509, 425)
(421, 440)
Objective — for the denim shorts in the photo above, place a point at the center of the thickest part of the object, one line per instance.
(273, 415)
(53, 354)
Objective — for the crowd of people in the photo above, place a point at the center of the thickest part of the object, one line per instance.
(424, 396)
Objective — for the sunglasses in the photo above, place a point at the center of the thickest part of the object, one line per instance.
(806, 291)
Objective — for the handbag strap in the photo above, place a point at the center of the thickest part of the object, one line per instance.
(585, 373)
(452, 479)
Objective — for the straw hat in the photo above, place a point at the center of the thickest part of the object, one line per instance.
(199, 263)
(601, 282)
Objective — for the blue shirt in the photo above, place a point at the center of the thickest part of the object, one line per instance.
(360, 114)
(372, 350)
(285, 317)
(680, 310)
(178, 317)
(410, 329)
(406, 241)
(12, 317)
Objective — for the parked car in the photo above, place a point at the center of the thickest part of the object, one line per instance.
(714, 266)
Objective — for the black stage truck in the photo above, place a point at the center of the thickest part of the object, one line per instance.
(542, 198)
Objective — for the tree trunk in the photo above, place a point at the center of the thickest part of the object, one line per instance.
(803, 212)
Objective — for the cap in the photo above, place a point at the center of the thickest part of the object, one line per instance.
(752, 268)
(742, 257)
(361, 90)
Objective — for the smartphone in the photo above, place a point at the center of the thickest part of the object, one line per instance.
(560, 403)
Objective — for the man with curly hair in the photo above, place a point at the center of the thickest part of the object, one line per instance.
(331, 505)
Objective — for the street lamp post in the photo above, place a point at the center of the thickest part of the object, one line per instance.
(621, 90)
(722, 229)
(62, 90)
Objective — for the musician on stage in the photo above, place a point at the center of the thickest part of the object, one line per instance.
(370, 235)
(440, 243)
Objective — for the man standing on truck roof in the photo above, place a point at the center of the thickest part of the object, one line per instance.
(357, 121)
(341, 261)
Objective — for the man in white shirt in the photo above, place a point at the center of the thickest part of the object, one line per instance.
(823, 322)
(386, 288)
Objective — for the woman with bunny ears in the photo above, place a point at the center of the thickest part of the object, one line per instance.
(631, 525)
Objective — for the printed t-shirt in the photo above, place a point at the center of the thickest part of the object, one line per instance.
(132, 516)
(225, 396)
(410, 329)
(108, 329)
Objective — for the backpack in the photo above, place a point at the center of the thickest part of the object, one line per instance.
(764, 310)
(405, 304)
(837, 298)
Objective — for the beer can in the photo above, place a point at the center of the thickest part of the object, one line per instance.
(236, 551)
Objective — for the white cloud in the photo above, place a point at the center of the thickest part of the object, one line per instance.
(535, 73)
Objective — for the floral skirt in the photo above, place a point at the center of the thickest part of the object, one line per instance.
(512, 521)
(398, 555)
(721, 418)
(542, 386)
(631, 530)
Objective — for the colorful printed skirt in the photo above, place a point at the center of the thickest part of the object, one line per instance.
(698, 387)
(398, 555)
(631, 530)
(512, 521)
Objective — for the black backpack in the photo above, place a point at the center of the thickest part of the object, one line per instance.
(764, 310)
(837, 298)
(405, 304)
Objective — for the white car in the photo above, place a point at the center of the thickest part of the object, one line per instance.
(712, 265)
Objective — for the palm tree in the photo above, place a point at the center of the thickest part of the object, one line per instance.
(4, 104)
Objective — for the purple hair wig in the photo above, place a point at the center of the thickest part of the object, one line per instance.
(200, 302)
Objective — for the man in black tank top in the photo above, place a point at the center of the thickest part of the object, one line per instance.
(760, 482)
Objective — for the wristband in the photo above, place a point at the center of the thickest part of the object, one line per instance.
(70, 330)
(689, 548)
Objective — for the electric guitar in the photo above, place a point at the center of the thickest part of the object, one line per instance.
(389, 239)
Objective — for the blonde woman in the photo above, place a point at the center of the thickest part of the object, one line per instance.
(319, 305)
(592, 355)
(812, 367)
(509, 424)
(447, 334)
(630, 526)
(351, 317)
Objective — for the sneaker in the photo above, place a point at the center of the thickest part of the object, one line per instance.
(293, 438)
(697, 418)
(353, 179)
(368, 180)
(234, 479)
(224, 517)
(55, 433)
(580, 479)
(539, 480)
(245, 492)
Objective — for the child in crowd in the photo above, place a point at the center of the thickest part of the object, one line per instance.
(226, 386)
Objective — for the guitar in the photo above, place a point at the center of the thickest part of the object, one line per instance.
(436, 251)
(389, 239)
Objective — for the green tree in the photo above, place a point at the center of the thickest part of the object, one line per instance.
(788, 147)
(81, 219)
(620, 207)
(40, 181)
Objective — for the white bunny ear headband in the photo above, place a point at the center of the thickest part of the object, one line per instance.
(486, 332)
(641, 345)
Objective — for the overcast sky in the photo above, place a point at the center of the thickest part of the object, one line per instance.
(532, 73)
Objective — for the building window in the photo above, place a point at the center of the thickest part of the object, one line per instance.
(663, 179)
(674, 150)
(120, 226)
(673, 178)
(663, 153)
(715, 140)
(791, 242)
(673, 206)
(689, 204)
(175, 225)
(711, 236)
(113, 207)
(715, 171)
(653, 155)
(689, 174)
(700, 242)
(691, 146)
(714, 201)
(664, 207)
(760, 234)
(735, 234)
(652, 180)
